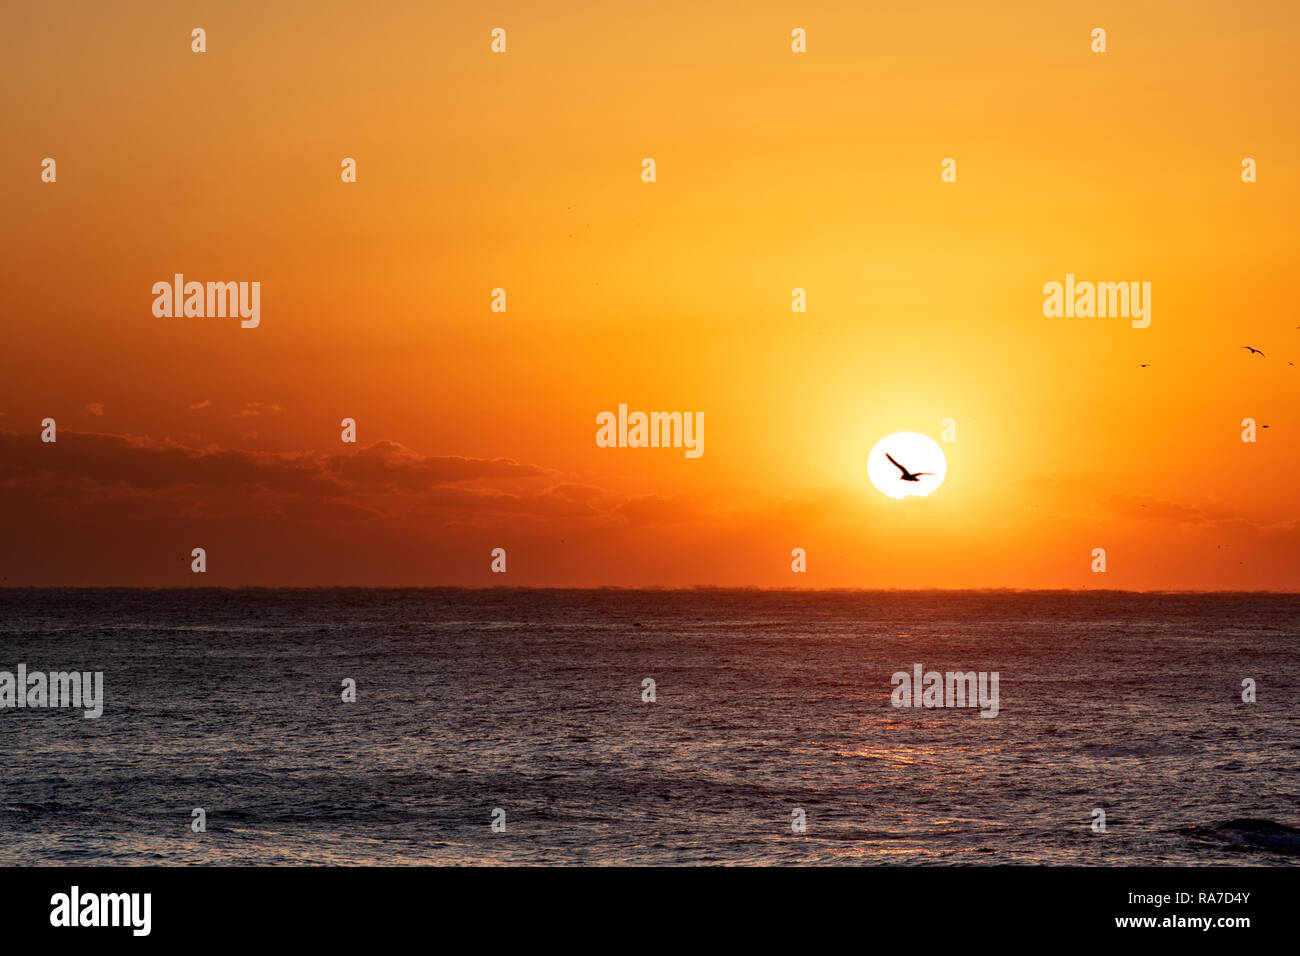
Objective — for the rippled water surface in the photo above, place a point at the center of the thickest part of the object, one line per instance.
(767, 702)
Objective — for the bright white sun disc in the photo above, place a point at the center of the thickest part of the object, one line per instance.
(917, 468)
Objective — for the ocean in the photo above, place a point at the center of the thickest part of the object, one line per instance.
(509, 726)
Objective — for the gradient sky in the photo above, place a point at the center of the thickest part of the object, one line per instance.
(775, 170)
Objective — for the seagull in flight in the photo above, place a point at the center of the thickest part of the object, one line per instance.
(1255, 351)
(907, 475)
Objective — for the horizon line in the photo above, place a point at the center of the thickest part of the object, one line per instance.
(638, 587)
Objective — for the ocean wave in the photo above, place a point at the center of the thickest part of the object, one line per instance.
(1251, 833)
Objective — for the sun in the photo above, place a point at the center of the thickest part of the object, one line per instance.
(918, 465)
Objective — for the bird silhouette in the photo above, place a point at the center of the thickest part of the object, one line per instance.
(1255, 351)
(907, 475)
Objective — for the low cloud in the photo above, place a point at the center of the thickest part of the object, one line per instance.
(254, 409)
(140, 464)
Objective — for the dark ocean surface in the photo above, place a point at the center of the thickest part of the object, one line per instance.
(767, 702)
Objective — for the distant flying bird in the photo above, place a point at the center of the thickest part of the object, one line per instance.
(907, 475)
(1255, 351)
(1145, 365)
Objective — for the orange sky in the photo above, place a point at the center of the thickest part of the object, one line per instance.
(775, 170)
